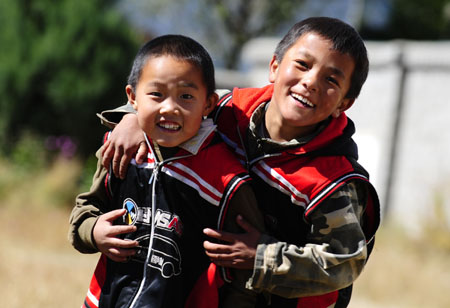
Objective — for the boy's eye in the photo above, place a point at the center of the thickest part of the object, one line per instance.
(302, 63)
(157, 94)
(187, 96)
(333, 80)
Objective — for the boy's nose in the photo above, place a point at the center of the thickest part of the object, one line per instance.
(309, 81)
(169, 105)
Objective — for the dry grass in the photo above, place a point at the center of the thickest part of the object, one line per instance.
(38, 267)
(404, 272)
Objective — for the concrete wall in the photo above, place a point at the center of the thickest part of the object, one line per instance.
(401, 119)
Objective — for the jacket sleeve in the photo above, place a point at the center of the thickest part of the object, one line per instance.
(88, 207)
(111, 117)
(235, 294)
(332, 259)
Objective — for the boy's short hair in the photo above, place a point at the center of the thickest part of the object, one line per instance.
(345, 39)
(177, 46)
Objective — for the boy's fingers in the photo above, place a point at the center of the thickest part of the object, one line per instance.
(124, 162)
(113, 215)
(220, 235)
(213, 248)
(105, 146)
(117, 230)
(118, 153)
(141, 154)
(216, 258)
(124, 244)
(211, 233)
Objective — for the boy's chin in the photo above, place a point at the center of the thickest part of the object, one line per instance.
(167, 144)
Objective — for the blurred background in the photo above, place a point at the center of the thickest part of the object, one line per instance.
(61, 62)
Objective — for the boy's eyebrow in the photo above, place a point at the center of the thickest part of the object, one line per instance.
(304, 53)
(185, 84)
(155, 83)
(338, 72)
(333, 69)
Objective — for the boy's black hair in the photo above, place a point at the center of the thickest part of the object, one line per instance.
(345, 39)
(177, 46)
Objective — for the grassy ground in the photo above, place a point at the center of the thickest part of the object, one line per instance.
(404, 272)
(410, 270)
(38, 267)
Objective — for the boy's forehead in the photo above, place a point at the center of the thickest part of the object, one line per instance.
(311, 38)
(162, 70)
(165, 64)
(162, 60)
(313, 45)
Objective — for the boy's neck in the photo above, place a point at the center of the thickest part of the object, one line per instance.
(279, 131)
(163, 153)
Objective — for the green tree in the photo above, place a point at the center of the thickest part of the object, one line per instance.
(60, 63)
(244, 20)
(415, 20)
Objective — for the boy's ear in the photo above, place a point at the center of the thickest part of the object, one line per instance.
(343, 105)
(131, 96)
(273, 69)
(211, 103)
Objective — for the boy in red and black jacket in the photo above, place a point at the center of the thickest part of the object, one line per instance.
(149, 224)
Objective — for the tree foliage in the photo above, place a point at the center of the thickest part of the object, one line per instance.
(244, 20)
(224, 26)
(415, 20)
(60, 63)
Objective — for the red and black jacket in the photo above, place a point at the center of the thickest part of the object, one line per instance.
(291, 184)
(170, 202)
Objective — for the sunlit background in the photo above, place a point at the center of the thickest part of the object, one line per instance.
(61, 62)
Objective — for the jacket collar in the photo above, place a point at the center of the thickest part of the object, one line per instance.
(191, 146)
(334, 139)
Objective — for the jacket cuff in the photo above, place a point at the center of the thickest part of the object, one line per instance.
(265, 260)
(85, 233)
(110, 118)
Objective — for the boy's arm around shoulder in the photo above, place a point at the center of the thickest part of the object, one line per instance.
(86, 211)
(332, 259)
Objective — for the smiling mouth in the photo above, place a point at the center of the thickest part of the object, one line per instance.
(304, 101)
(171, 126)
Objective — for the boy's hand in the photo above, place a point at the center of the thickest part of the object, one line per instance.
(125, 141)
(105, 236)
(241, 250)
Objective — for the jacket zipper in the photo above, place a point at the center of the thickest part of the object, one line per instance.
(153, 180)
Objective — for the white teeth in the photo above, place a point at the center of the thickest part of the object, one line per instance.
(169, 126)
(302, 100)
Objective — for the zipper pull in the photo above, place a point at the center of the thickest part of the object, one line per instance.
(154, 172)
